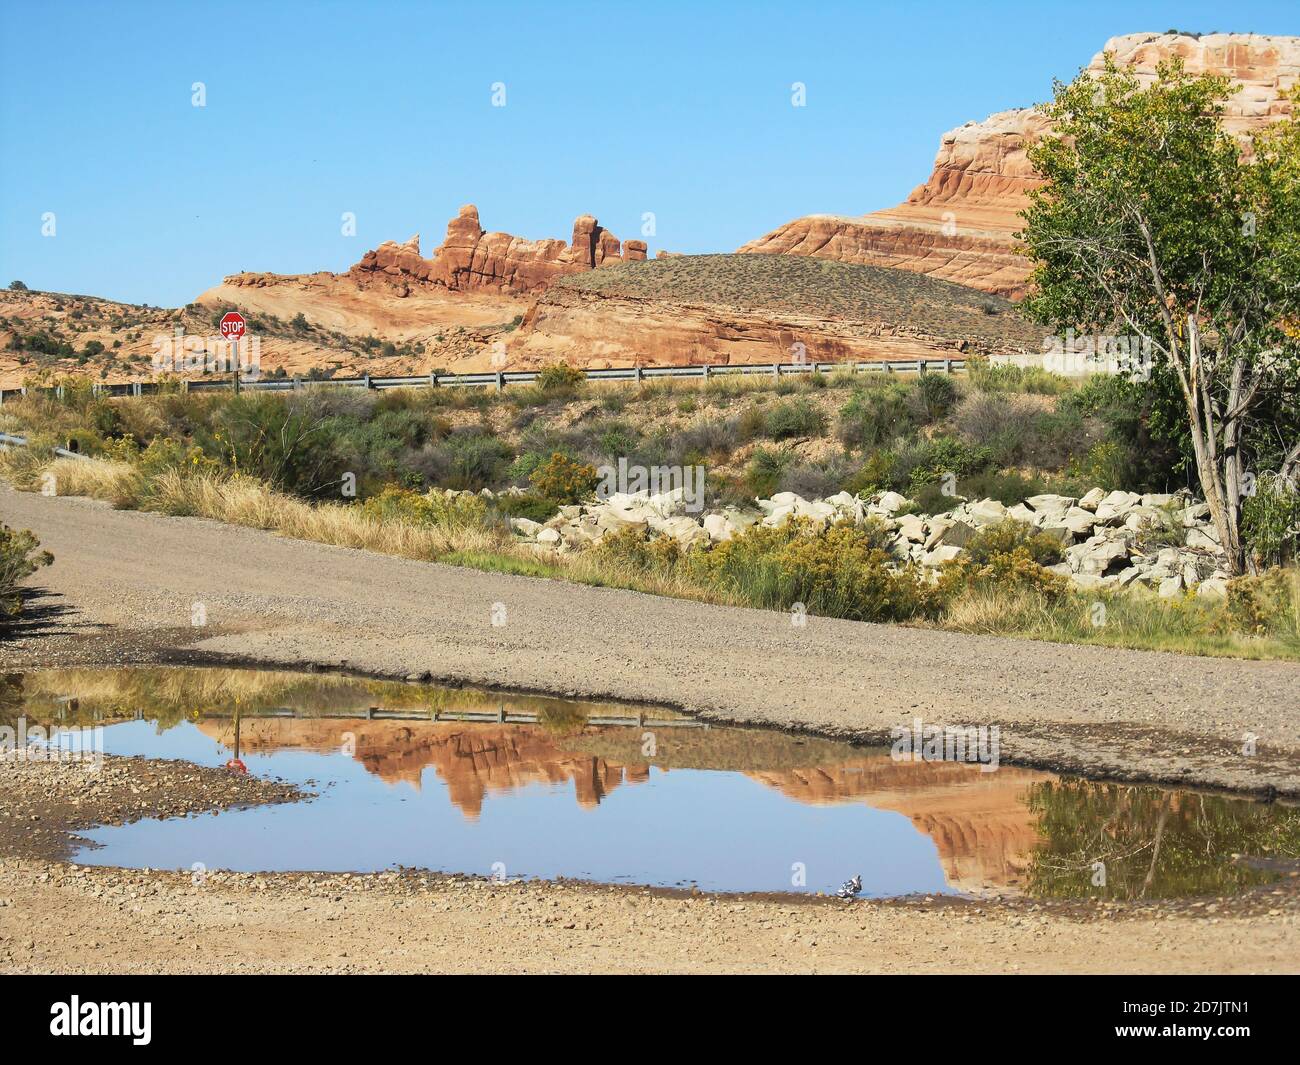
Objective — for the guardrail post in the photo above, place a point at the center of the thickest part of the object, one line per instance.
(947, 366)
(500, 380)
(366, 381)
(920, 366)
(637, 376)
(433, 379)
(776, 369)
(706, 371)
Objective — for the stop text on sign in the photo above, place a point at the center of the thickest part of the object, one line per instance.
(233, 325)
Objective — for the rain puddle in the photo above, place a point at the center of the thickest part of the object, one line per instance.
(465, 781)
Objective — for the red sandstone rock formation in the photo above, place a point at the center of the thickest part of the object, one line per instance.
(959, 225)
(470, 258)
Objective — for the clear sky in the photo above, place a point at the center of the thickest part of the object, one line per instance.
(385, 110)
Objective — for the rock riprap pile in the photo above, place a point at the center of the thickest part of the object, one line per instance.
(1165, 542)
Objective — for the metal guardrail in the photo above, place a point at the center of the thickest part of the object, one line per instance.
(498, 716)
(10, 440)
(500, 379)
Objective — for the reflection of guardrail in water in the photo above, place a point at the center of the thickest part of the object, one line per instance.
(10, 440)
(500, 716)
(500, 379)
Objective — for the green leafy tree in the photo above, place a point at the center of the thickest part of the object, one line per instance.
(1157, 222)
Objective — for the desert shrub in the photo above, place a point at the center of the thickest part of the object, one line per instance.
(476, 458)
(1054, 438)
(1005, 573)
(932, 397)
(19, 559)
(752, 423)
(763, 474)
(562, 479)
(528, 505)
(396, 504)
(1266, 605)
(1007, 487)
(1143, 446)
(998, 422)
(707, 440)
(1007, 537)
(1163, 529)
(560, 378)
(1106, 465)
(841, 572)
(1006, 378)
(874, 475)
(814, 480)
(615, 438)
(795, 417)
(927, 461)
(266, 438)
(1270, 521)
(634, 547)
(874, 416)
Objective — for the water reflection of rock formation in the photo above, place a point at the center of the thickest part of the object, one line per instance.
(980, 826)
(471, 759)
(979, 823)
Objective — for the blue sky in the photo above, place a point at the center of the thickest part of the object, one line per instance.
(385, 110)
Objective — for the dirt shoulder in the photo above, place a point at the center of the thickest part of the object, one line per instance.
(57, 917)
(124, 587)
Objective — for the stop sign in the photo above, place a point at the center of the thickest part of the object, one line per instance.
(233, 325)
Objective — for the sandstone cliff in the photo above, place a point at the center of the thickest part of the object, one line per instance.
(959, 224)
(470, 258)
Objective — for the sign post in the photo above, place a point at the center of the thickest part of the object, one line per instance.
(232, 328)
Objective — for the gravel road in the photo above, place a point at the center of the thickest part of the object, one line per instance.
(123, 581)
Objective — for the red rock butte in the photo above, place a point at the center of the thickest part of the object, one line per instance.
(960, 224)
(470, 258)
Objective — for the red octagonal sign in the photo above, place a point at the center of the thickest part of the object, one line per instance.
(233, 325)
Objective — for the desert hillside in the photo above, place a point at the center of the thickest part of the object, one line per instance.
(720, 309)
(741, 309)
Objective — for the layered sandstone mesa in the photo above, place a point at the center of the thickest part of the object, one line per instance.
(960, 224)
(470, 258)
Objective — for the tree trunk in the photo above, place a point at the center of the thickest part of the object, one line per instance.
(1218, 472)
